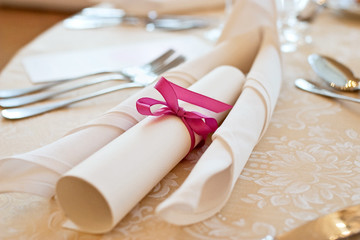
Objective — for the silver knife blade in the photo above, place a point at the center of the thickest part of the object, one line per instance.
(337, 225)
(90, 18)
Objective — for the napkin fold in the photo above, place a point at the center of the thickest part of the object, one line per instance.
(209, 185)
(143, 7)
(119, 175)
(37, 171)
(255, 14)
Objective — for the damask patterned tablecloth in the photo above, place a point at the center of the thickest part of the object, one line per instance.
(306, 165)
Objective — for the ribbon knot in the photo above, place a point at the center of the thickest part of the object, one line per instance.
(195, 122)
(181, 112)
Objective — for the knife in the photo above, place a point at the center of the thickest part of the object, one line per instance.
(90, 18)
(337, 225)
(310, 87)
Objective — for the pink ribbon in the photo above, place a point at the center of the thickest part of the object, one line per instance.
(194, 121)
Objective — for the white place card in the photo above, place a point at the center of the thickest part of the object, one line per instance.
(65, 65)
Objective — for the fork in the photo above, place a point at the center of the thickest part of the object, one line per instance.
(37, 97)
(10, 93)
(24, 100)
(139, 78)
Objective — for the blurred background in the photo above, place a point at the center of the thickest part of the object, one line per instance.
(22, 20)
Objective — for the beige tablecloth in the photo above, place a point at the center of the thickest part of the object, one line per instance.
(306, 165)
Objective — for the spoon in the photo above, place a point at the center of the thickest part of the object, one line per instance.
(342, 224)
(311, 87)
(336, 74)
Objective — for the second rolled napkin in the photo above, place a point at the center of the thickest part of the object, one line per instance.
(100, 191)
(209, 185)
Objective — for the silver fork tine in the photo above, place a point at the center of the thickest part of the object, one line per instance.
(168, 65)
(159, 60)
(162, 65)
(9, 93)
(19, 113)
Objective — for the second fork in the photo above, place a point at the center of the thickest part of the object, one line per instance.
(140, 80)
(10, 93)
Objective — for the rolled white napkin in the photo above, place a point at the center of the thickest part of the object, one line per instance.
(101, 190)
(143, 7)
(37, 171)
(209, 185)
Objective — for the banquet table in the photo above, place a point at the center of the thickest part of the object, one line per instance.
(307, 163)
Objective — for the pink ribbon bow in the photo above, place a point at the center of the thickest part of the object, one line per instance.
(194, 121)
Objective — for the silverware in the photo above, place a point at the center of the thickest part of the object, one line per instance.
(84, 22)
(178, 23)
(139, 79)
(337, 225)
(90, 18)
(309, 9)
(310, 87)
(350, 8)
(103, 12)
(9, 93)
(336, 74)
(24, 100)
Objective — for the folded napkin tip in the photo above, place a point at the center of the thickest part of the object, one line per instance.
(178, 213)
(182, 213)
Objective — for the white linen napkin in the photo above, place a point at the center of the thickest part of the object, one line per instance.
(209, 185)
(37, 171)
(119, 175)
(143, 7)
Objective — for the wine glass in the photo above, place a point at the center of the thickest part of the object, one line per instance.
(293, 33)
